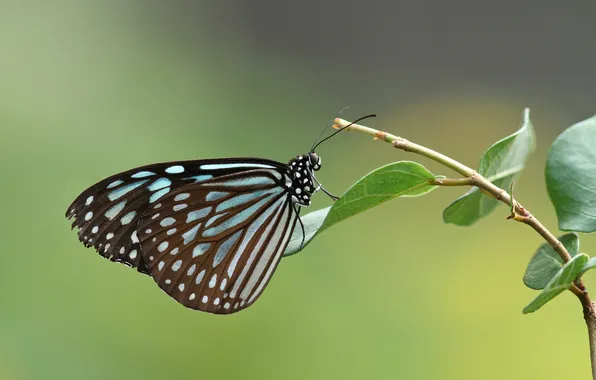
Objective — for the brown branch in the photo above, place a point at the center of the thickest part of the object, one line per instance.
(519, 213)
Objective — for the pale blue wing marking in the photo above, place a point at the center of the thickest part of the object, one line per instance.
(159, 184)
(200, 178)
(125, 190)
(215, 195)
(114, 184)
(198, 214)
(158, 194)
(191, 234)
(225, 247)
(244, 198)
(238, 218)
(250, 181)
(115, 210)
(200, 249)
(128, 218)
(142, 174)
(250, 234)
(233, 166)
(176, 169)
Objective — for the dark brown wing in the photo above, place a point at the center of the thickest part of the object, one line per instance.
(213, 246)
(107, 213)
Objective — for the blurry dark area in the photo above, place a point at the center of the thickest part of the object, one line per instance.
(545, 46)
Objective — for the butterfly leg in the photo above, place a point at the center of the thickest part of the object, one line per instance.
(297, 211)
(335, 198)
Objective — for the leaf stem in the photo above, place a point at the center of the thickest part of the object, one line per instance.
(451, 182)
(519, 213)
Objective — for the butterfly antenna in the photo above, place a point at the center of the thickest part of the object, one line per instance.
(327, 127)
(341, 129)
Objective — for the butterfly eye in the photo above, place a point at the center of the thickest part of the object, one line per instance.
(314, 160)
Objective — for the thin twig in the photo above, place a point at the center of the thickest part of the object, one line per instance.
(518, 212)
(472, 178)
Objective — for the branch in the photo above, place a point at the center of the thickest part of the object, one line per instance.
(518, 212)
(473, 178)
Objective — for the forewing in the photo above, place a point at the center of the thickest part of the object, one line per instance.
(107, 213)
(213, 246)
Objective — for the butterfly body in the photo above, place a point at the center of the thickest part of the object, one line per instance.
(209, 232)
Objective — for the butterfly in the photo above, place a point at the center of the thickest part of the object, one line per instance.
(209, 232)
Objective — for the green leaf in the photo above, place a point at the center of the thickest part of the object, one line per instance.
(591, 264)
(560, 282)
(500, 164)
(312, 222)
(399, 179)
(546, 262)
(571, 177)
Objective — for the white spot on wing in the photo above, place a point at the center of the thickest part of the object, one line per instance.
(213, 281)
(177, 264)
(191, 270)
(200, 277)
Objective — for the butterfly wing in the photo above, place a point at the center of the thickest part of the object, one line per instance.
(213, 246)
(107, 213)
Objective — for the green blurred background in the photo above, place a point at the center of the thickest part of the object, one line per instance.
(91, 88)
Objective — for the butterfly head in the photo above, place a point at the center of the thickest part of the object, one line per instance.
(314, 161)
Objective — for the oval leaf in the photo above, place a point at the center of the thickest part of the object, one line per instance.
(560, 282)
(546, 262)
(571, 177)
(500, 164)
(312, 222)
(404, 178)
